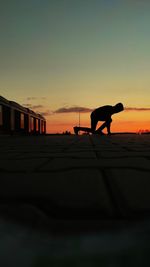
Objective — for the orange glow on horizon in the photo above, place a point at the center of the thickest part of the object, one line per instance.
(122, 122)
(118, 126)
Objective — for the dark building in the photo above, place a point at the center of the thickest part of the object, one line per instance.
(15, 118)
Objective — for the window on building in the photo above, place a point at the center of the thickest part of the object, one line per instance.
(12, 119)
(32, 123)
(37, 125)
(42, 126)
(1, 115)
(22, 121)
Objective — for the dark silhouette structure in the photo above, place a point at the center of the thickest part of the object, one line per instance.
(15, 118)
(101, 114)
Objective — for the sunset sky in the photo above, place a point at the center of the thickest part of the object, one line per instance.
(60, 56)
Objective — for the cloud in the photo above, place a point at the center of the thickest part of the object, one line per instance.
(74, 109)
(37, 106)
(37, 109)
(27, 105)
(31, 98)
(136, 109)
(34, 98)
(33, 106)
(46, 113)
(77, 109)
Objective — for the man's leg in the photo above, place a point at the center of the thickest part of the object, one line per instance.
(84, 129)
(87, 129)
(107, 125)
(94, 122)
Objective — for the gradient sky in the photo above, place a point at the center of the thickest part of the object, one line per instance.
(57, 55)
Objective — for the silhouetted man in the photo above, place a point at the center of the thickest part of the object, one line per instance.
(101, 114)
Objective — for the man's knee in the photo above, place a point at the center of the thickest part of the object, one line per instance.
(93, 123)
(108, 122)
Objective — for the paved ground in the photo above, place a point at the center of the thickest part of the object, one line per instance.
(74, 185)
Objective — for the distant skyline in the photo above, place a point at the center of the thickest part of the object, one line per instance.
(62, 56)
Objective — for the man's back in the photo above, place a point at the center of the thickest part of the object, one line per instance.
(103, 113)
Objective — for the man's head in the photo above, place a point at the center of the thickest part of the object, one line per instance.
(118, 107)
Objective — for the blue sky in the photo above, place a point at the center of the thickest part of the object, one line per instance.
(75, 53)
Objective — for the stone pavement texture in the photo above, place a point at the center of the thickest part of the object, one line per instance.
(75, 200)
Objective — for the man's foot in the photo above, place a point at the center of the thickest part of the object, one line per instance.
(76, 130)
(99, 132)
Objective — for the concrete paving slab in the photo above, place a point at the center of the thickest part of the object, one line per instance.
(22, 164)
(78, 171)
(131, 189)
(124, 154)
(73, 188)
(51, 187)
